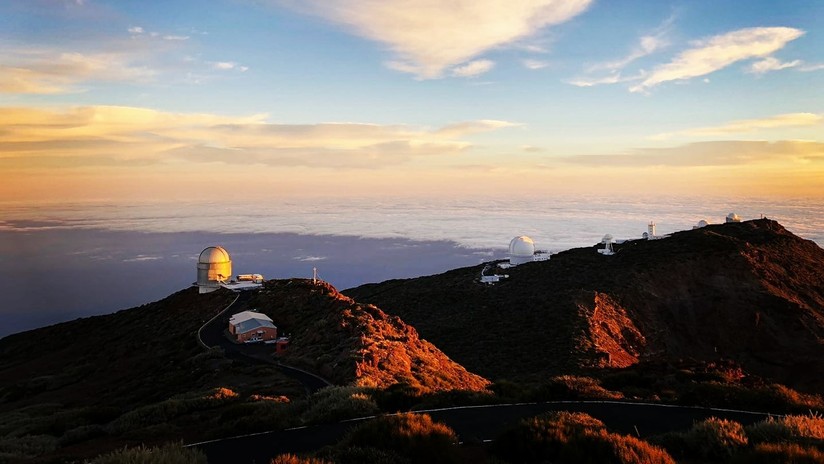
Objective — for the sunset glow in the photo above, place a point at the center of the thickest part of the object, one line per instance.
(110, 100)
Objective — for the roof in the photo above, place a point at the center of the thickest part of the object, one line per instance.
(215, 254)
(253, 324)
(247, 315)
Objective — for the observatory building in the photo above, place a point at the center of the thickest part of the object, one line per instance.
(732, 217)
(214, 267)
(701, 223)
(521, 250)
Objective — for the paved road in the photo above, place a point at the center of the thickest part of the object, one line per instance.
(212, 334)
(473, 424)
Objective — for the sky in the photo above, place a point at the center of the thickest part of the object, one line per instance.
(229, 100)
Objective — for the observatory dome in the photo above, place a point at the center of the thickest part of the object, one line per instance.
(703, 223)
(607, 239)
(521, 250)
(213, 267)
(732, 217)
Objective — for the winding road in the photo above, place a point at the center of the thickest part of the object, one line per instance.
(211, 334)
(474, 424)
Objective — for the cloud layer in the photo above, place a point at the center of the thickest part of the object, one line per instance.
(108, 136)
(430, 36)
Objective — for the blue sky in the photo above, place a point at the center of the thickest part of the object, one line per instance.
(99, 99)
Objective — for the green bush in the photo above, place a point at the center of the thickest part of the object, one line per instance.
(166, 454)
(337, 403)
(413, 436)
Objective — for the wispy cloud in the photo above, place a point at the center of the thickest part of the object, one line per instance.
(112, 136)
(749, 125)
(430, 36)
(715, 153)
(534, 64)
(717, 52)
(473, 68)
(47, 71)
(228, 66)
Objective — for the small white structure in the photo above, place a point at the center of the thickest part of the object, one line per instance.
(732, 217)
(521, 250)
(255, 278)
(701, 223)
(214, 267)
(491, 279)
(607, 241)
(650, 233)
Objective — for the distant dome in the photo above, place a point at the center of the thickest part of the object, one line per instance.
(703, 223)
(521, 250)
(214, 254)
(521, 246)
(607, 239)
(213, 268)
(732, 217)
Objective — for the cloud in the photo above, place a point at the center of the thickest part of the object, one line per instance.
(591, 82)
(750, 125)
(228, 66)
(535, 64)
(175, 37)
(43, 71)
(473, 68)
(716, 153)
(104, 136)
(428, 37)
(717, 52)
(136, 30)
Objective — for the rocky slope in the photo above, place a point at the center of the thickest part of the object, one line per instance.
(749, 292)
(352, 343)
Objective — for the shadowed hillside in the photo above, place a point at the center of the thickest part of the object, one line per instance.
(353, 343)
(749, 292)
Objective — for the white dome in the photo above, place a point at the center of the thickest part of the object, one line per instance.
(607, 239)
(214, 255)
(703, 223)
(522, 246)
(732, 217)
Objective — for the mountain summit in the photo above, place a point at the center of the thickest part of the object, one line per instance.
(750, 292)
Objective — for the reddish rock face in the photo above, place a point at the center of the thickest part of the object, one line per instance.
(353, 343)
(748, 292)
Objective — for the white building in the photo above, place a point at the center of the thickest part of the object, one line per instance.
(521, 250)
(251, 326)
(214, 267)
(701, 223)
(607, 241)
(732, 217)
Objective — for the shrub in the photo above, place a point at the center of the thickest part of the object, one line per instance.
(712, 439)
(570, 387)
(788, 428)
(165, 411)
(28, 446)
(367, 455)
(781, 453)
(292, 459)
(414, 436)
(166, 454)
(337, 403)
(573, 437)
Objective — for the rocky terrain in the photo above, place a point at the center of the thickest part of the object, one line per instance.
(750, 293)
(353, 343)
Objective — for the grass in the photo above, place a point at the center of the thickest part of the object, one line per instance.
(166, 454)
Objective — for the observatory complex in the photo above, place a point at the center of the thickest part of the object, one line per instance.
(522, 250)
(214, 270)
